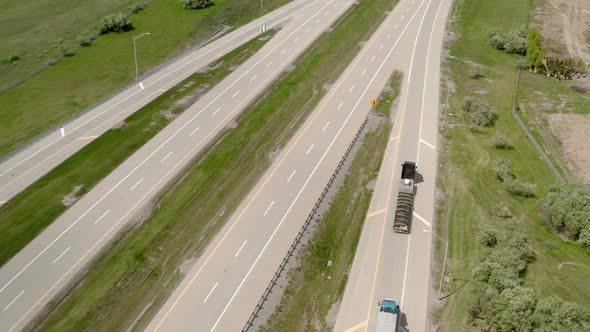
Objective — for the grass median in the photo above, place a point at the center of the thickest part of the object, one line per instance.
(133, 278)
(314, 287)
(469, 190)
(28, 213)
(74, 83)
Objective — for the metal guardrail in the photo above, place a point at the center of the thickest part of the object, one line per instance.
(92, 107)
(297, 241)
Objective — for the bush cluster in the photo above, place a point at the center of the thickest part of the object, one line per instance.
(564, 69)
(498, 300)
(514, 41)
(501, 142)
(115, 23)
(516, 187)
(479, 112)
(196, 4)
(566, 209)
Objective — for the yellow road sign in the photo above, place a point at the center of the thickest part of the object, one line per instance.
(374, 103)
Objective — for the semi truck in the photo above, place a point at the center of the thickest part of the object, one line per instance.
(405, 199)
(387, 319)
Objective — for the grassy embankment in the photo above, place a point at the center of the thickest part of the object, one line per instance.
(28, 213)
(469, 188)
(313, 287)
(76, 82)
(139, 271)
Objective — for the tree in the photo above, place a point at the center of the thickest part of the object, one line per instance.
(566, 208)
(115, 23)
(196, 4)
(513, 311)
(479, 111)
(554, 314)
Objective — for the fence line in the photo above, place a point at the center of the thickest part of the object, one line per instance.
(297, 241)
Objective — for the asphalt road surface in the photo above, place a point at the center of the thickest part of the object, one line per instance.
(387, 264)
(28, 165)
(225, 284)
(43, 268)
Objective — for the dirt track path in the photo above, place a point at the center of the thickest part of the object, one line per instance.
(566, 23)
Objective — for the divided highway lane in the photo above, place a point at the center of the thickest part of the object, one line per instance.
(390, 265)
(28, 165)
(222, 289)
(43, 268)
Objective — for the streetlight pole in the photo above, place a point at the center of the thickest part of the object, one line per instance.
(135, 52)
(442, 274)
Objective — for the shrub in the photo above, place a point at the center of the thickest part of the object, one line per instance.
(567, 209)
(136, 8)
(479, 112)
(13, 58)
(517, 187)
(512, 42)
(196, 4)
(488, 236)
(503, 211)
(115, 23)
(501, 142)
(513, 311)
(502, 168)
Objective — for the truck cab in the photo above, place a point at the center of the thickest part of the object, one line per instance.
(387, 318)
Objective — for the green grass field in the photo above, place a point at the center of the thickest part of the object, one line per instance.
(466, 179)
(36, 30)
(141, 268)
(28, 213)
(94, 72)
(313, 287)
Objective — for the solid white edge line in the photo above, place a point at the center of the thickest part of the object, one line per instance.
(63, 253)
(11, 302)
(312, 173)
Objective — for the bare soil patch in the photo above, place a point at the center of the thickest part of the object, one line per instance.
(573, 131)
(565, 25)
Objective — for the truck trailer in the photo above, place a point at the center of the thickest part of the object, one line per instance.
(387, 319)
(405, 199)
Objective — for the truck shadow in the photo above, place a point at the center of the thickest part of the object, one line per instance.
(403, 323)
(419, 178)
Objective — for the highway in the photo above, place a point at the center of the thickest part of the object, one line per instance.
(223, 287)
(387, 264)
(25, 167)
(46, 266)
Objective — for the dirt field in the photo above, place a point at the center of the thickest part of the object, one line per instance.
(565, 26)
(573, 131)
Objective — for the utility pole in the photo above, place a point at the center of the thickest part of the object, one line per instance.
(135, 52)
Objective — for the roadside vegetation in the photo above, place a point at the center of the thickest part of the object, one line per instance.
(27, 214)
(318, 281)
(131, 280)
(76, 77)
(506, 269)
